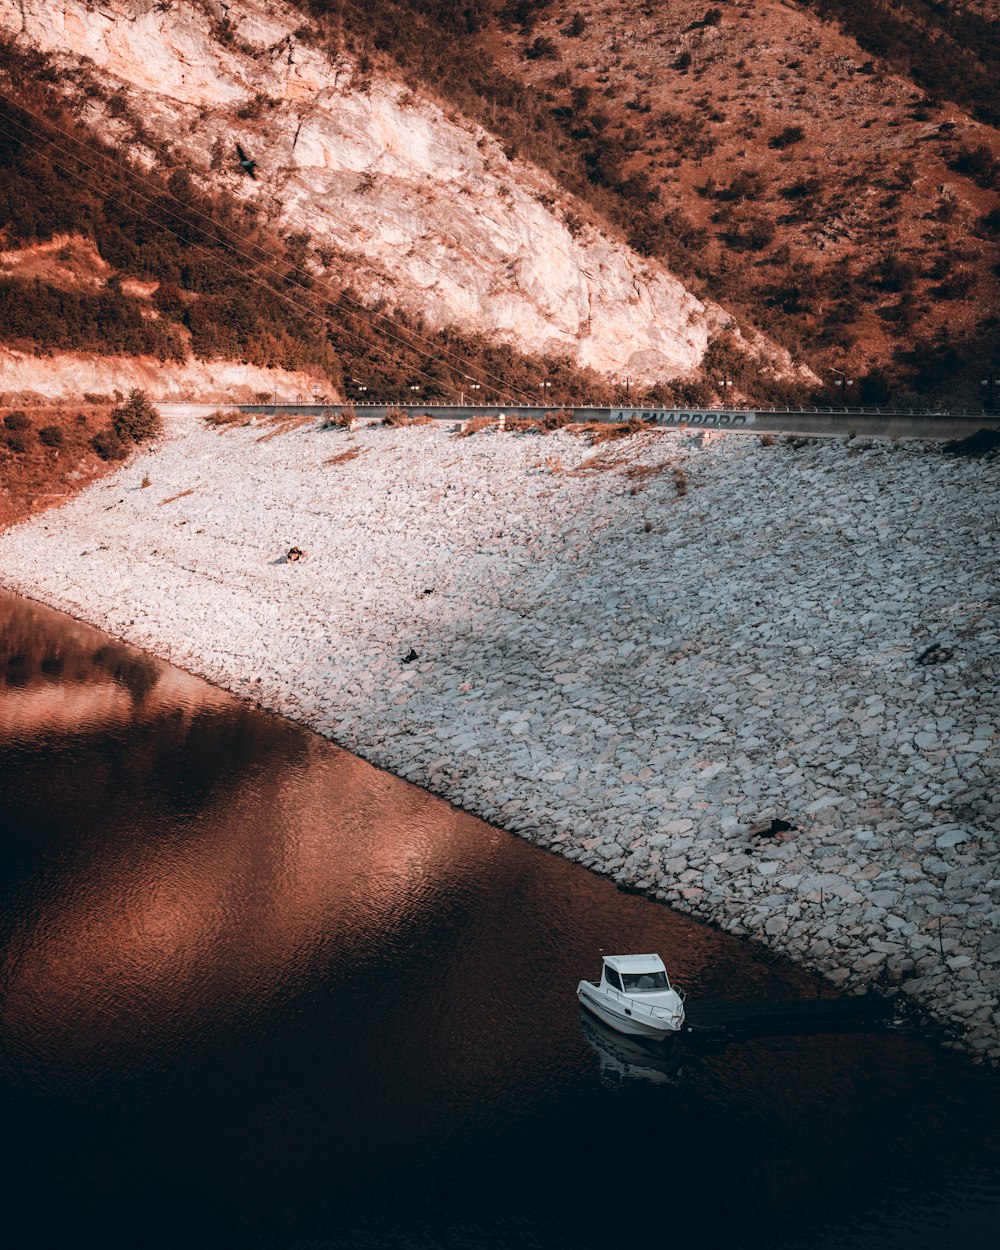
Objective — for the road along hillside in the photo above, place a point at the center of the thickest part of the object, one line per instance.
(754, 677)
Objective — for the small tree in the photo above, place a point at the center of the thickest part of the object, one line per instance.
(136, 419)
(19, 441)
(543, 47)
(108, 445)
(785, 138)
(979, 164)
(51, 435)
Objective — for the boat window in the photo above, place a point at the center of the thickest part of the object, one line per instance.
(613, 977)
(637, 983)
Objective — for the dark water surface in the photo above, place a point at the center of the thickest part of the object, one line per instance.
(257, 993)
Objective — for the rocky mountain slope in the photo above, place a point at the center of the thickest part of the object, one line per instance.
(822, 174)
(417, 207)
(828, 171)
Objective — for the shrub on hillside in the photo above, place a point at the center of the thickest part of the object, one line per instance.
(556, 420)
(891, 273)
(540, 48)
(802, 188)
(991, 222)
(16, 420)
(225, 418)
(958, 285)
(19, 441)
(979, 164)
(399, 419)
(753, 234)
(136, 419)
(342, 420)
(51, 435)
(785, 138)
(745, 185)
(108, 445)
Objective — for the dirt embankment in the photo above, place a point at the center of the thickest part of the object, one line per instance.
(46, 455)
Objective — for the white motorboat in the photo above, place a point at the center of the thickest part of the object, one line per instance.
(634, 995)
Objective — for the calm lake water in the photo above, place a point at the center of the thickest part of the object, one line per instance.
(256, 993)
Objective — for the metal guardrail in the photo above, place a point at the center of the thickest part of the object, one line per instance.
(655, 1013)
(879, 422)
(486, 409)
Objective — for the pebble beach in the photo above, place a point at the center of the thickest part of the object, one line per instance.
(754, 678)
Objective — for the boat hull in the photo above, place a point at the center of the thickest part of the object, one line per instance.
(614, 1014)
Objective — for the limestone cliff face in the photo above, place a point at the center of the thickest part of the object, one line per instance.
(425, 207)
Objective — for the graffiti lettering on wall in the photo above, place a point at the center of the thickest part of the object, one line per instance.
(670, 416)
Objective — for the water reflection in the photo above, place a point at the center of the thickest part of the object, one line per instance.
(74, 679)
(623, 1059)
(257, 993)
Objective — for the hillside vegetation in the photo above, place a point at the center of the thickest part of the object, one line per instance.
(950, 50)
(808, 166)
(827, 172)
(47, 454)
(178, 271)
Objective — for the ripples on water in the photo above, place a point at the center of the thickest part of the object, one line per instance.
(256, 993)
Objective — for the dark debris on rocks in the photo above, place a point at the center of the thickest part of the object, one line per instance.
(771, 828)
(934, 654)
(983, 443)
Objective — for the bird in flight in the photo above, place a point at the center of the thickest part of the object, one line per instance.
(248, 165)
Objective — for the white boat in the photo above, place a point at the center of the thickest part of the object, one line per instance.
(634, 995)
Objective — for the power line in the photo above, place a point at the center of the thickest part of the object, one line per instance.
(308, 312)
(360, 309)
(164, 193)
(444, 356)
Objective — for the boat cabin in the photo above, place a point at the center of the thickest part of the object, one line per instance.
(635, 974)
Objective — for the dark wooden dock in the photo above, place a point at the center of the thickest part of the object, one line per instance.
(717, 1020)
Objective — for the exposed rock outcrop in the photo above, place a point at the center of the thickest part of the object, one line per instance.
(425, 206)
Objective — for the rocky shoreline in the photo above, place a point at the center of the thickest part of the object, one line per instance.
(755, 679)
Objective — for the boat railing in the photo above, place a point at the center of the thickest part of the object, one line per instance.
(654, 1010)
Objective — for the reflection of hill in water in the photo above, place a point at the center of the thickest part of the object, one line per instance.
(59, 676)
(39, 645)
(178, 856)
(626, 1059)
(147, 736)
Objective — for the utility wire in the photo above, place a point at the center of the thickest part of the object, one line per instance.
(258, 260)
(308, 312)
(445, 356)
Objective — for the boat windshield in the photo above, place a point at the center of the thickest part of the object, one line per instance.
(638, 983)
